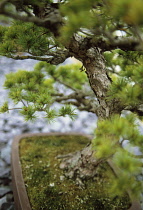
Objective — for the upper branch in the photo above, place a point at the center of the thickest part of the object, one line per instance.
(50, 20)
(125, 43)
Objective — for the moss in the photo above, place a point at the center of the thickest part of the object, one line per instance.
(44, 180)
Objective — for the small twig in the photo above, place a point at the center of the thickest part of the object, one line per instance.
(13, 109)
(23, 102)
(64, 83)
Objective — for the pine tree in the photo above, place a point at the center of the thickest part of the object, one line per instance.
(106, 37)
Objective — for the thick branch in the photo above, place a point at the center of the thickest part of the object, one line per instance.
(126, 43)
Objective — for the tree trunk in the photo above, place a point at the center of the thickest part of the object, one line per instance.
(94, 63)
(83, 164)
(98, 79)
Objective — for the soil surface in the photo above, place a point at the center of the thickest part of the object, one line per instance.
(47, 186)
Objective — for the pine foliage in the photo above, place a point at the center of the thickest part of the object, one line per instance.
(37, 90)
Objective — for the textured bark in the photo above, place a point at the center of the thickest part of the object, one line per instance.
(94, 62)
(98, 79)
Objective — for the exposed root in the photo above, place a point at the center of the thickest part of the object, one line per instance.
(80, 166)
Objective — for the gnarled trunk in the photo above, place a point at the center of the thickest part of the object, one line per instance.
(83, 164)
(94, 63)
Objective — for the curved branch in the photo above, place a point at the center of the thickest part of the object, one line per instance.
(54, 59)
(23, 57)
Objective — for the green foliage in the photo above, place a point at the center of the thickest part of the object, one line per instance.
(4, 107)
(108, 144)
(129, 167)
(37, 91)
(72, 10)
(2, 32)
(127, 84)
(40, 166)
(71, 75)
(115, 129)
(23, 37)
(67, 110)
(28, 112)
(65, 74)
(51, 114)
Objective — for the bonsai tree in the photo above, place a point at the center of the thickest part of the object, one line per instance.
(106, 37)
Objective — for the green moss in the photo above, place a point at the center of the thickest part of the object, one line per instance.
(44, 180)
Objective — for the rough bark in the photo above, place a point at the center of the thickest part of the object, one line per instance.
(94, 63)
(51, 15)
(81, 165)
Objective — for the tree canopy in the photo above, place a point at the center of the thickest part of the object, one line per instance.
(106, 37)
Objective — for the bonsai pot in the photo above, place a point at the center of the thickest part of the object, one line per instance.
(19, 188)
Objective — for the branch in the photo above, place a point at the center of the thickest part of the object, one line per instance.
(136, 109)
(54, 59)
(23, 57)
(126, 44)
(51, 22)
(87, 108)
(110, 43)
(79, 101)
(63, 83)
